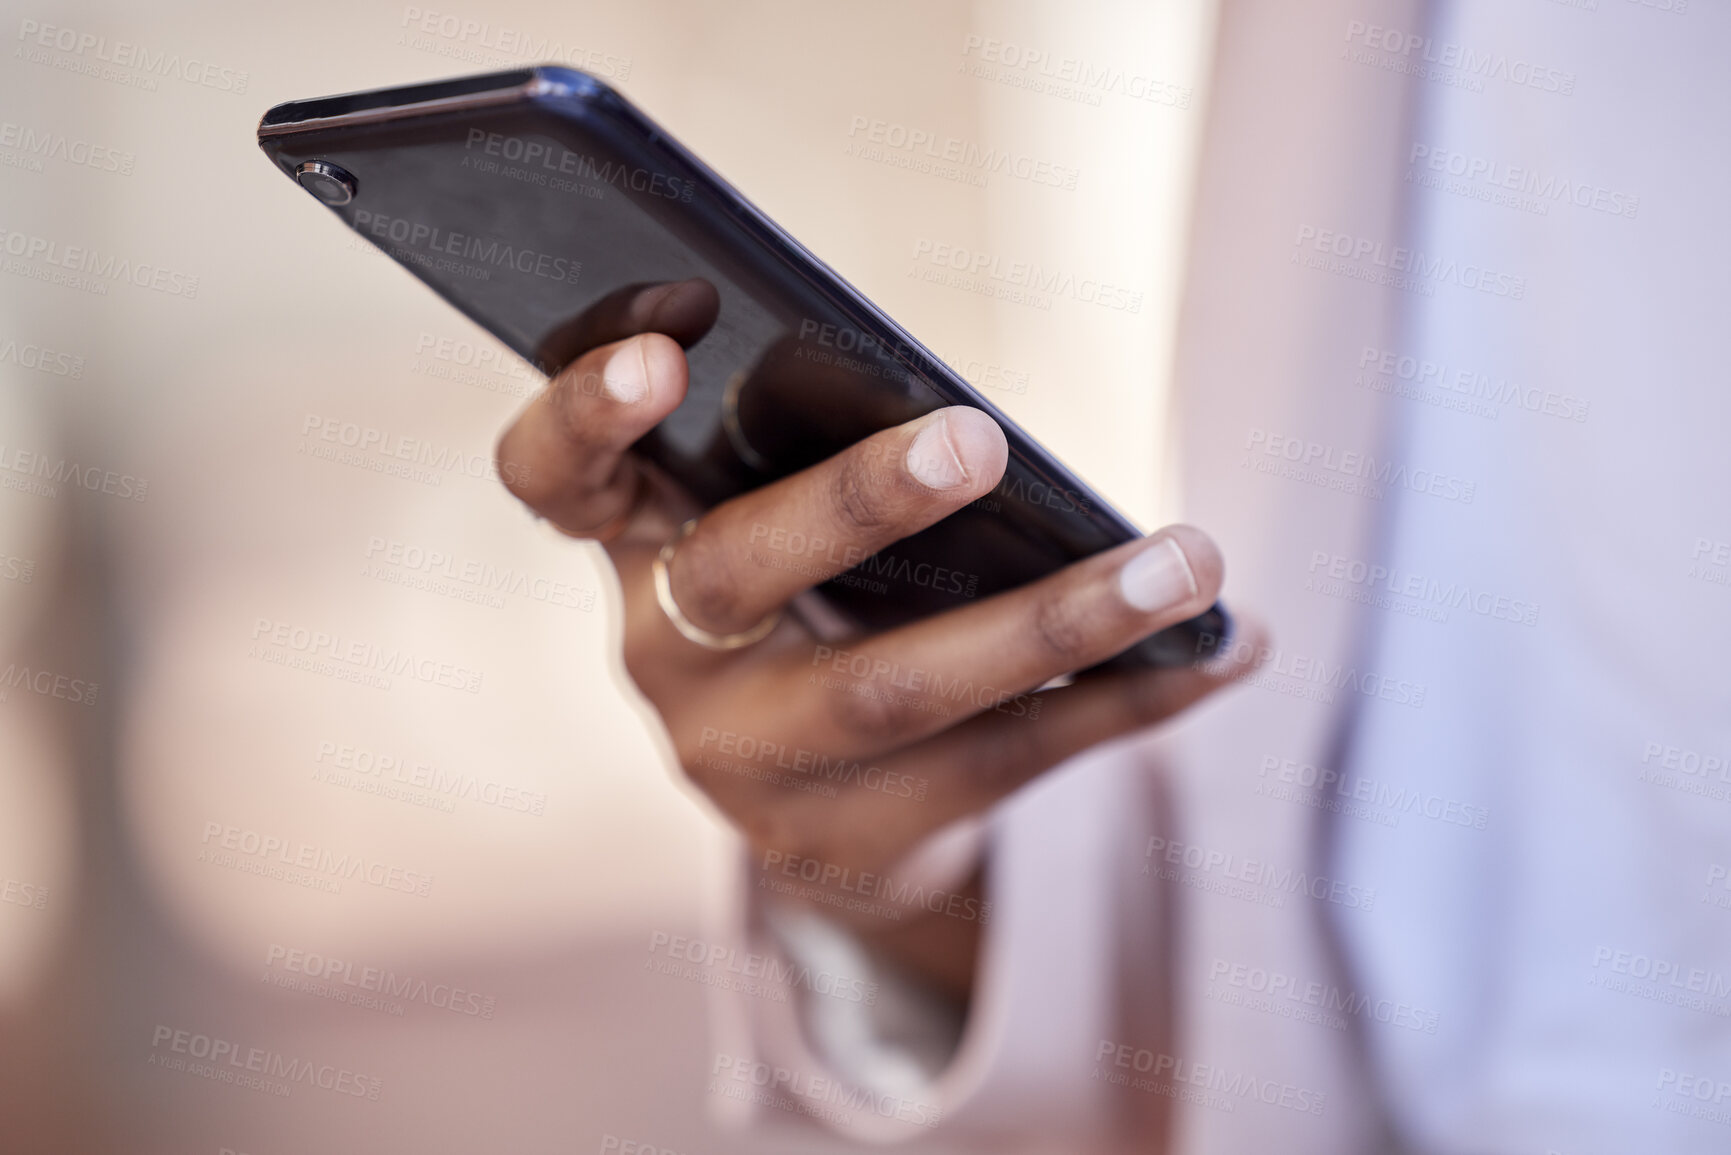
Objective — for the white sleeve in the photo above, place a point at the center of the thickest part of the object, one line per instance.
(872, 1055)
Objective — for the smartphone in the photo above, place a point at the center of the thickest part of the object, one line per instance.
(532, 199)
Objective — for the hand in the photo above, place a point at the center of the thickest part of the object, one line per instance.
(844, 755)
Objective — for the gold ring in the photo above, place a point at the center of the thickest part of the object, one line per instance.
(690, 629)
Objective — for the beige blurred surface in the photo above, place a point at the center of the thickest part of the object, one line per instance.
(116, 812)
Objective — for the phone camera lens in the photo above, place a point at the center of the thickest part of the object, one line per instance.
(331, 183)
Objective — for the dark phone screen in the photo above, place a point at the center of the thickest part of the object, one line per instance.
(539, 217)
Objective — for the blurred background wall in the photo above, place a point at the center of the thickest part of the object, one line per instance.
(531, 836)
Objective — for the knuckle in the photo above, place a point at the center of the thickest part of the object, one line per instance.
(871, 716)
(1061, 629)
(858, 498)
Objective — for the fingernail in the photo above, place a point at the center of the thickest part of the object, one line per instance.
(932, 458)
(626, 375)
(1157, 577)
